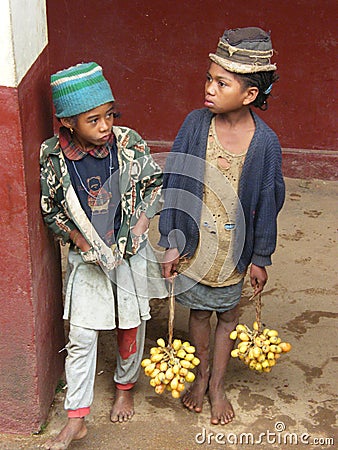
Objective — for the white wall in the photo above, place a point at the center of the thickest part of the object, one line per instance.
(23, 36)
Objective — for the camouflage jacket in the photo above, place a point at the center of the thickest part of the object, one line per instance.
(140, 182)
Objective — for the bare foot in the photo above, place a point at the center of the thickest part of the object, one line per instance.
(221, 409)
(123, 406)
(193, 398)
(75, 429)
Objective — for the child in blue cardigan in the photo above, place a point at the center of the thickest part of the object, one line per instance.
(223, 188)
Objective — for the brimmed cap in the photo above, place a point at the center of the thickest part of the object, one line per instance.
(244, 50)
(79, 89)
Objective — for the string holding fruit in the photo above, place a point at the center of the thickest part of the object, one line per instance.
(258, 348)
(170, 365)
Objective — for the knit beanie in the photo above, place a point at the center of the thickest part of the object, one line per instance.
(244, 50)
(79, 89)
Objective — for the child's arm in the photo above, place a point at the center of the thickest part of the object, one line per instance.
(149, 175)
(170, 261)
(272, 197)
(152, 187)
(53, 211)
(141, 225)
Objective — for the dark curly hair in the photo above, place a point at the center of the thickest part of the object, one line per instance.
(261, 80)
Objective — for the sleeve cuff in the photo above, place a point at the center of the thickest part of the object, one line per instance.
(261, 261)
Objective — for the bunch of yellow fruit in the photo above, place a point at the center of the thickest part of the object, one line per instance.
(258, 349)
(169, 366)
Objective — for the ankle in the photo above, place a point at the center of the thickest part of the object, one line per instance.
(216, 385)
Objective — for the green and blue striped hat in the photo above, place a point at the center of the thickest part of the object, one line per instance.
(79, 89)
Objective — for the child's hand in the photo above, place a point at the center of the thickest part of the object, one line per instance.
(258, 278)
(141, 225)
(170, 262)
(79, 241)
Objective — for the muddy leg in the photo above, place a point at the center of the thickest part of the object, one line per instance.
(221, 409)
(199, 332)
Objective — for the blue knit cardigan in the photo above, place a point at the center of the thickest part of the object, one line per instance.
(261, 191)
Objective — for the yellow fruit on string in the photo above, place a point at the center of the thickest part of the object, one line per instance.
(190, 377)
(169, 374)
(149, 369)
(163, 366)
(161, 342)
(177, 344)
(180, 387)
(169, 366)
(185, 363)
(244, 336)
(285, 346)
(175, 393)
(181, 353)
(272, 333)
(156, 358)
(190, 349)
(258, 349)
(155, 351)
(183, 372)
(176, 368)
(160, 389)
(174, 383)
(275, 348)
(145, 362)
(233, 335)
(265, 364)
(154, 373)
(255, 326)
(256, 352)
(195, 361)
(261, 358)
(265, 348)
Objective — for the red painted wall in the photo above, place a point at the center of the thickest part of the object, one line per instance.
(31, 327)
(155, 54)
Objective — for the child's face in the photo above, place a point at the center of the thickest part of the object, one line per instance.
(223, 91)
(93, 128)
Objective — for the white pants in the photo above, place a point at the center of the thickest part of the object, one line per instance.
(81, 361)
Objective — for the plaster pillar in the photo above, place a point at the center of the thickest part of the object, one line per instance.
(31, 328)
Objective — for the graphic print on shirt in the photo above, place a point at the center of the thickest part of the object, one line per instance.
(99, 197)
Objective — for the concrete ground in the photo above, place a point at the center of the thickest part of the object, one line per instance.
(294, 406)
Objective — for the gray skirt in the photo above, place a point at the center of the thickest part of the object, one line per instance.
(194, 295)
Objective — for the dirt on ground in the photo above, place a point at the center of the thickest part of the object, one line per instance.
(294, 406)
